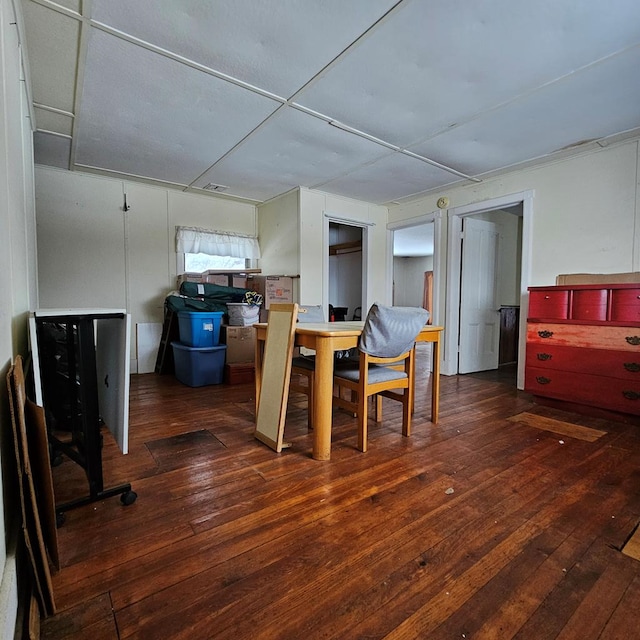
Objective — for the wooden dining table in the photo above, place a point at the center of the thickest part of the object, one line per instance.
(325, 338)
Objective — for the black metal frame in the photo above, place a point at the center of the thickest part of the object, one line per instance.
(85, 448)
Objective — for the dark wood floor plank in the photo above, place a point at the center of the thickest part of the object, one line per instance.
(230, 540)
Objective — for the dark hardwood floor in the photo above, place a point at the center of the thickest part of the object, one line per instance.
(478, 527)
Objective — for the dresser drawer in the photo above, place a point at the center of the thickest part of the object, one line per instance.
(615, 364)
(581, 335)
(552, 305)
(592, 390)
(625, 305)
(589, 304)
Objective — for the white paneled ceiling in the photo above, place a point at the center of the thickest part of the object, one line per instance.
(379, 100)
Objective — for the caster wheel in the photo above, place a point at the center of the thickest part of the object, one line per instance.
(128, 498)
(60, 518)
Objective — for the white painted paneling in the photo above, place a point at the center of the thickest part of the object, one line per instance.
(17, 264)
(278, 235)
(85, 257)
(148, 336)
(81, 254)
(312, 258)
(148, 265)
(584, 211)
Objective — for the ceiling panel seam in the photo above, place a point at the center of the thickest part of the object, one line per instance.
(186, 61)
(86, 19)
(55, 133)
(46, 107)
(525, 94)
(365, 34)
(58, 8)
(81, 60)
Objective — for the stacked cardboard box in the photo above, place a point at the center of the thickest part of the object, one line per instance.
(273, 289)
(240, 343)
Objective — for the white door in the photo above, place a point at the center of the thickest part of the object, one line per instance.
(479, 315)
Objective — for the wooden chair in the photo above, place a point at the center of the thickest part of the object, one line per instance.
(305, 366)
(388, 338)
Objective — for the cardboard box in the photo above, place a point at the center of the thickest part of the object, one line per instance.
(240, 343)
(598, 278)
(221, 279)
(273, 288)
(239, 373)
(238, 281)
(189, 277)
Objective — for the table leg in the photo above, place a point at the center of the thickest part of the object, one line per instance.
(323, 395)
(435, 381)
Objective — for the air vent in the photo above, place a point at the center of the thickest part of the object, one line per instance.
(214, 187)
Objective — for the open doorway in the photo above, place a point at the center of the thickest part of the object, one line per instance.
(473, 341)
(414, 278)
(413, 266)
(490, 291)
(345, 272)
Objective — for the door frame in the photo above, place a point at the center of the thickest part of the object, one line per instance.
(454, 255)
(366, 252)
(434, 217)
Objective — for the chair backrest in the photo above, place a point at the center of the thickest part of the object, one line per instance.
(391, 331)
(311, 313)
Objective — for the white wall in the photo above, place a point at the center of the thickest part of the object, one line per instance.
(279, 238)
(585, 211)
(93, 254)
(19, 289)
(408, 280)
(314, 256)
(279, 235)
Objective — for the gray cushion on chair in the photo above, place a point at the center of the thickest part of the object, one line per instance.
(391, 331)
(310, 313)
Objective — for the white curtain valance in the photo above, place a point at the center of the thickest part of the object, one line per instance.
(216, 243)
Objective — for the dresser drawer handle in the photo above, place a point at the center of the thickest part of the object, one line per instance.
(634, 340)
(546, 356)
(631, 395)
(542, 380)
(548, 334)
(634, 367)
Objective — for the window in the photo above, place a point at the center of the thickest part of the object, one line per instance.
(201, 250)
(200, 262)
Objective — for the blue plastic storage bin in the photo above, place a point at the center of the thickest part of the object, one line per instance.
(200, 328)
(199, 366)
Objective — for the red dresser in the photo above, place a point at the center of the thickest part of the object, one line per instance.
(583, 345)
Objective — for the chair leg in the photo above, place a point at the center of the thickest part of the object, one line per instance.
(378, 406)
(407, 410)
(362, 422)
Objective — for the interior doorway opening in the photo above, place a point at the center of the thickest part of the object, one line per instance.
(511, 216)
(345, 286)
